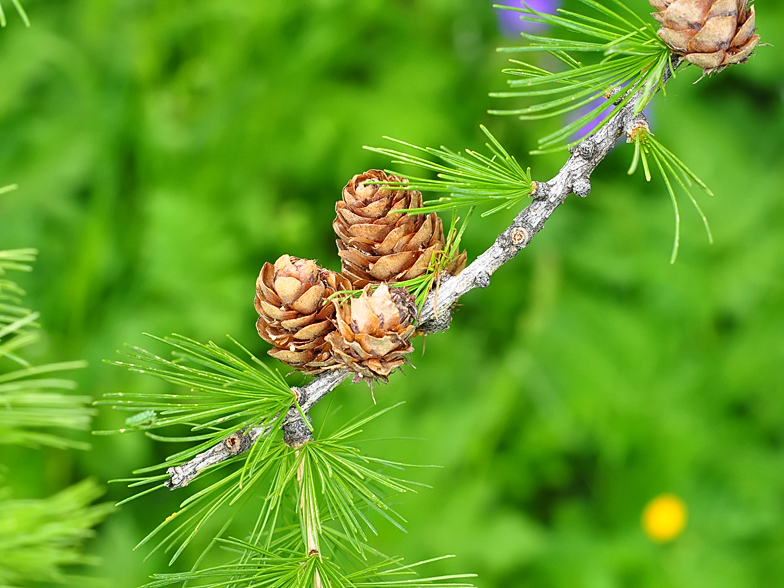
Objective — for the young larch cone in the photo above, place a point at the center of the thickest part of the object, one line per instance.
(294, 314)
(373, 332)
(377, 244)
(711, 34)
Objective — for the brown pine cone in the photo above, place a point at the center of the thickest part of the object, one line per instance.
(294, 314)
(373, 332)
(378, 245)
(711, 34)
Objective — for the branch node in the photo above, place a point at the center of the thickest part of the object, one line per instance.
(435, 324)
(177, 478)
(614, 94)
(520, 237)
(296, 432)
(541, 191)
(638, 124)
(581, 187)
(482, 279)
(236, 443)
(587, 149)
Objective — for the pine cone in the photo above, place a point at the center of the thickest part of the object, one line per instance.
(373, 332)
(711, 34)
(293, 313)
(378, 245)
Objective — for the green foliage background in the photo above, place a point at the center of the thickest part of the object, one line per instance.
(165, 150)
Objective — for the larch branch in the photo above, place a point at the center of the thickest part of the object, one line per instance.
(573, 178)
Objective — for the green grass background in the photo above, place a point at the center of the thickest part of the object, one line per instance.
(166, 150)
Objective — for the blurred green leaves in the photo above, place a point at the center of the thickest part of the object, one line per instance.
(34, 398)
(39, 537)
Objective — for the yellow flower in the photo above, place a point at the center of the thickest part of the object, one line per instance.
(664, 518)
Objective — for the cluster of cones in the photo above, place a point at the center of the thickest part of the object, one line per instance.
(313, 330)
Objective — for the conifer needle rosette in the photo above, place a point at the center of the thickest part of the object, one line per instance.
(609, 52)
(311, 529)
(672, 170)
(225, 393)
(613, 52)
(35, 398)
(39, 538)
(469, 179)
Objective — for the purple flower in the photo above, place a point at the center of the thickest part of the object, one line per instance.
(592, 125)
(510, 24)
